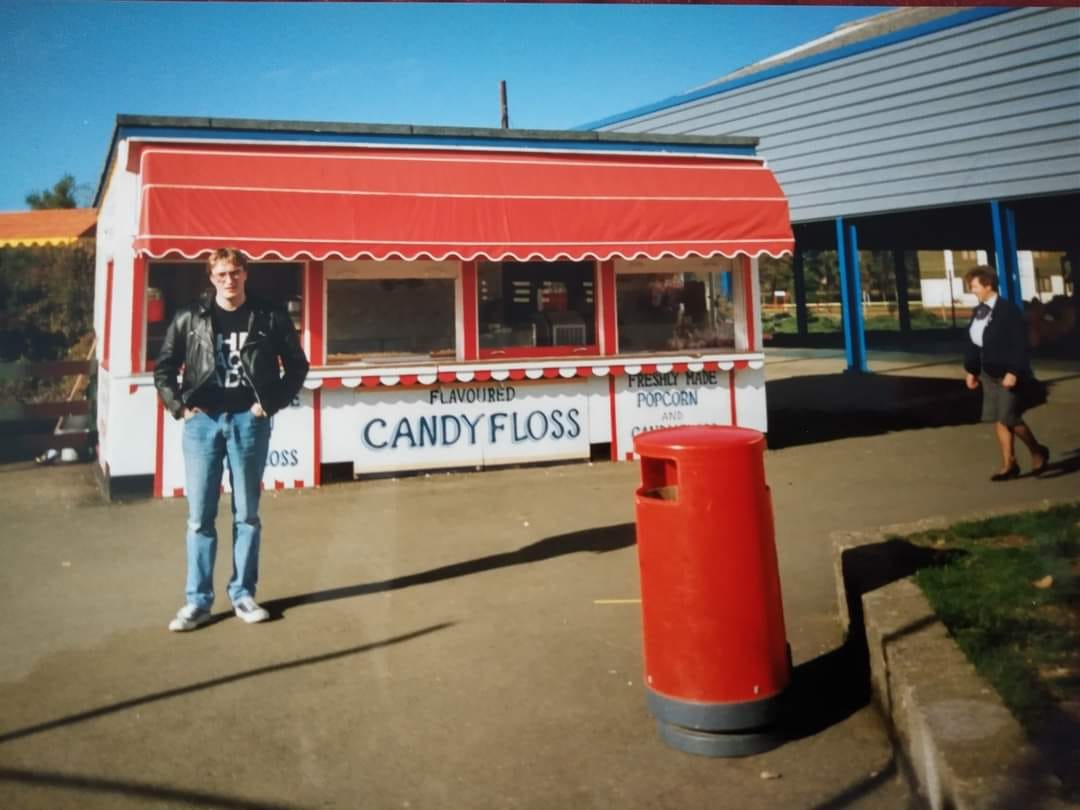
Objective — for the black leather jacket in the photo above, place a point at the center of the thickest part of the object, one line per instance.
(189, 343)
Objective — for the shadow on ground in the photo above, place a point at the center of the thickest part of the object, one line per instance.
(858, 791)
(156, 792)
(840, 680)
(1064, 463)
(597, 541)
(824, 407)
(828, 689)
(131, 703)
(138, 791)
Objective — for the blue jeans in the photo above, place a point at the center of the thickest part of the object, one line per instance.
(211, 440)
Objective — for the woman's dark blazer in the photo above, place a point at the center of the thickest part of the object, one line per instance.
(1004, 348)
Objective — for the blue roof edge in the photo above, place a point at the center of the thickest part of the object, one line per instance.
(843, 52)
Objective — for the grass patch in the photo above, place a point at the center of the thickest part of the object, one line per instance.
(1023, 638)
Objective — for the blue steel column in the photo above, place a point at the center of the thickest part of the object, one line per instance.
(903, 304)
(725, 286)
(855, 271)
(847, 253)
(799, 275)
(1006, 261)
(1072, 255)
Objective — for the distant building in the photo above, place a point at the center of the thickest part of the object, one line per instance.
(48, 227)
(916, 131)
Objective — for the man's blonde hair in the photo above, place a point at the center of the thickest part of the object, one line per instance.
(227, 254)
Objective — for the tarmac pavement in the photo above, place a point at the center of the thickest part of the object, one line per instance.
(465, 640)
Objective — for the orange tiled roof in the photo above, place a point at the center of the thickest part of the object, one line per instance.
(53, 226)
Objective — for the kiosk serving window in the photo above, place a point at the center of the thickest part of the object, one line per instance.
(172, 285)
(536, 308)
(390, 311)
(674, 305)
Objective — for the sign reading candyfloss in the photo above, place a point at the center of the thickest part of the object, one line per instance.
(469, 425)
(650, 401)
(290, 463)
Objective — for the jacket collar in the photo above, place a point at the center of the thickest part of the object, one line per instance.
(206, 302)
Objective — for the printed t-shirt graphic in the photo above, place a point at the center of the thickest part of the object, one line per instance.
(228, 389)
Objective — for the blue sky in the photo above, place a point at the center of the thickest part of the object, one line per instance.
(67, 68)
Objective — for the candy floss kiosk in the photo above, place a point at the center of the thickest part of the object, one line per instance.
(467, 298)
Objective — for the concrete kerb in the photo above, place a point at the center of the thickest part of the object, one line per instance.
(959, 742)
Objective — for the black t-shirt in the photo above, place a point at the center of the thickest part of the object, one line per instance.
(228, 389)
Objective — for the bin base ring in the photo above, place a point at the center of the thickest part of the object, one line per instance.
(708, 744)
(713, 717)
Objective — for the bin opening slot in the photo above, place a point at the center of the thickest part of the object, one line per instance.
(660, 479)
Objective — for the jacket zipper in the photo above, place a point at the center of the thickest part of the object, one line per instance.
(185, 398)
(243, 368)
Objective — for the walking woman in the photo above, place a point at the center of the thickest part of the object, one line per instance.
(996, 359)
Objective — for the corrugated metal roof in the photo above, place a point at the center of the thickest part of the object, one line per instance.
(887, 22)
(52, 226)
(973, 106)
(861, 37)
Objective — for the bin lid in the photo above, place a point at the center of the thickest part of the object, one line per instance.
(692, 439)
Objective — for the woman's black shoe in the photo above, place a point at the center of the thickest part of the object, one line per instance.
(1044, 451)
(1012, 472)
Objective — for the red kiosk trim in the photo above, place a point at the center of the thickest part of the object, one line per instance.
(609, 341)
(138, 313)
(747, 271)
(470, 315)
(315, 313)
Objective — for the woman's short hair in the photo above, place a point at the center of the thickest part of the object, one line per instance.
(227, 254)
(985, 274)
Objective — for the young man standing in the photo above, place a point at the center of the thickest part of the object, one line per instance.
(228, 346)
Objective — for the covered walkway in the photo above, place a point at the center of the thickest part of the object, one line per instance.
(999, 228)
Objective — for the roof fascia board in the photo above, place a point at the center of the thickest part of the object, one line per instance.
(843, 52)
(606, 145)
(106, 170)
(408, 130)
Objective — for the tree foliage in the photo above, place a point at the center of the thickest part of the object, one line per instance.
(47, 293)
(46, 301)
(822, 275)
(65, 193)
(776, 275)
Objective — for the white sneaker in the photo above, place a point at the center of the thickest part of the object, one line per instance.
(248, 610)
(189, 617)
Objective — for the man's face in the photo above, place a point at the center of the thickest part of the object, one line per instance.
(228, 280)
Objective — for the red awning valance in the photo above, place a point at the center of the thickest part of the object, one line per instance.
(384, 203)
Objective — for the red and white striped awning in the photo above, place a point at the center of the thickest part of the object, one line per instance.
(395, 203)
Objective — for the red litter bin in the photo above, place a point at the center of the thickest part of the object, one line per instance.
(717, 663)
